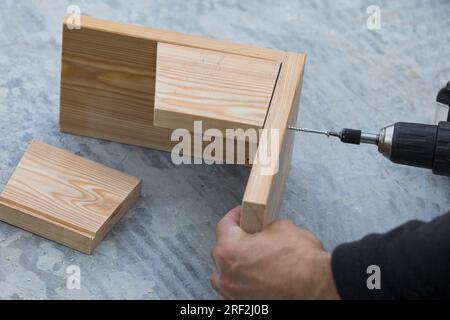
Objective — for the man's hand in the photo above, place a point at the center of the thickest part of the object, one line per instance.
(281, 262)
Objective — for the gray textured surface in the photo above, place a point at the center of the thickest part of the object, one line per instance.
(161, 249)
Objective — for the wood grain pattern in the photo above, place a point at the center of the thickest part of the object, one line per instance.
(224, 91)
(263, 193)
(108, 92)
(66, 198)
(157, 35)
(108, 79)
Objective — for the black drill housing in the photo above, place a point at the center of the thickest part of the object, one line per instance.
(423, 145)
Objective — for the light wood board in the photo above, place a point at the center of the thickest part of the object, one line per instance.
(66, 198)
(223, 90)
(263, 194)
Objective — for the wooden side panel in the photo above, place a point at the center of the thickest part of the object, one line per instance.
(107, 88)
(66, 198)
(108, 79)
(263, 194)
(224, 91)
(22, 217)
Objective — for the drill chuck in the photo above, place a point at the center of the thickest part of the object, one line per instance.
(410, 144)
(354, 136)
(415, 144)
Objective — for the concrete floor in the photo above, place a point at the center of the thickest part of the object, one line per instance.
(161, 249)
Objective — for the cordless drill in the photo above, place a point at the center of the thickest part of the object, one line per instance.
(412, 144)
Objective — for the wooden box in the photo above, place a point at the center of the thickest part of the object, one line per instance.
(109, 83)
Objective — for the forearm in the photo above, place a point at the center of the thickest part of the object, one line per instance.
(414, 262)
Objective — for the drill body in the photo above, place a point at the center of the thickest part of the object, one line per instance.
(412, 144)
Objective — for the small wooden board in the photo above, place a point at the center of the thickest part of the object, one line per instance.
(66, 198)
(223, 90)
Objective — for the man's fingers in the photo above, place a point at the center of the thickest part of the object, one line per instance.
(215, 283)
(228, 230)
(229, 223)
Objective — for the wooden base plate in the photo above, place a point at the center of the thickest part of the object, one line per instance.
(66, 198)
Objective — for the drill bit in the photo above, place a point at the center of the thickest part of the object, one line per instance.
(326, 133)
(345, 135)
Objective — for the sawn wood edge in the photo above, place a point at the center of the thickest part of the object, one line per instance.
(262, 197)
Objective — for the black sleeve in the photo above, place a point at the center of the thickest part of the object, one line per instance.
(414, 262)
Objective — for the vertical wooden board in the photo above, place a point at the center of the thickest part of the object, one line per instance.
(224, 91)
(66, 198)
(107, 88)
(263, 193)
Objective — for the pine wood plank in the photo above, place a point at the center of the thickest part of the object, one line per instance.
(263, 194)
(66, 198)
(224, 91)
(108, 79)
